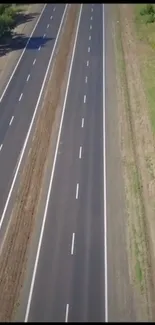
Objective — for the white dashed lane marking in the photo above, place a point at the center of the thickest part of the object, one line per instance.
(20, 97)
(77, 191)
(67, 311)
(80, 153)
(72, 247)
(82, 124)
(11, 120)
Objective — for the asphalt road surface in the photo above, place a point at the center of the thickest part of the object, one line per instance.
(70, 280)
(19, 101)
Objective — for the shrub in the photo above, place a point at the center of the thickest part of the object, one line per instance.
(150, 19)
(3, 7)
(6, 24)
(147, 10)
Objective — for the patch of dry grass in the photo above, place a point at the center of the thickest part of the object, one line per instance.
(136, 144)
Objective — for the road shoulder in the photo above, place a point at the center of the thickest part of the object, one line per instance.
(120, 296)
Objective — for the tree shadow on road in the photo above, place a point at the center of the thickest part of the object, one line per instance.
(14, 41)
(19, 41)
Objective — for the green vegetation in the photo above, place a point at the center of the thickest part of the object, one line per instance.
(146, 36)
(7, 18)
(147, 11)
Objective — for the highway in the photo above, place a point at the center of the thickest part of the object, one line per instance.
(69, 281)
(18, 101)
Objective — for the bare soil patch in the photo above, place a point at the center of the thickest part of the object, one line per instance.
(14, 251)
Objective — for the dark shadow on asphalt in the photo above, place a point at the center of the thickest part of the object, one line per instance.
(15, 41)
(18, 42)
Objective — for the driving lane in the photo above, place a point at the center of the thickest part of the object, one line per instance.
(69, 277)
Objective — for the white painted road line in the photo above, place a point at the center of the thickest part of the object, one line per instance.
(91, 9)
(67, 311)
(77, 191)
(39, 48)
(91, 18)
(72, 247)
(34, 61)
(11, 120)
(89, 37)
(51, 17)
(28, 77)
(104, 178)
(30, 127)
(44, 35)
(54, 9)
(20, 97)
(88, 49)
(90, 26)
(86, 79)
(1, 146)
(82, 124)
(48, 26)
(54, 163)
(7, 85)
(87, 63)
(84, 99)
(80, 153)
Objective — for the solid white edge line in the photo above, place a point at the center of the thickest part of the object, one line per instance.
(11, 120)
(72, 247)
(104, 178)
(31, 124)
(77, 191)
(51, 178)
(67, 312)
(7, 85)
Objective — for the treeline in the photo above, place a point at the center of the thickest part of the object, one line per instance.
(7, 18)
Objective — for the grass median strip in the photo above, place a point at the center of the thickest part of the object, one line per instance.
(14, 252)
